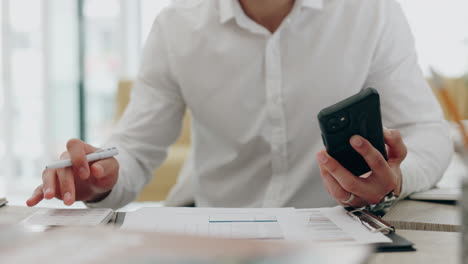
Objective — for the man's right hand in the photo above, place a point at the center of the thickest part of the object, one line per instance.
(81, 182)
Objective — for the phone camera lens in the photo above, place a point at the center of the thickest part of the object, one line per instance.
(333, 125)
(344, 119)
(337, 122)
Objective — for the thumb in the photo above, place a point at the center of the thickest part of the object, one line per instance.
(105, 168)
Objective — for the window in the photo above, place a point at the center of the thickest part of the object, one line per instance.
(62, 74)
(115, 31)
(40, 76)
(441, 33)
(103, 65)
(38, 81)
(26, 87)
(3, 136)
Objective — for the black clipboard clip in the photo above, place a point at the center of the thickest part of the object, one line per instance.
(3, 202)
(377, 224)
(370, 221)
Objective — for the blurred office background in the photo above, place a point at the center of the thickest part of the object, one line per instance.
(62, 61)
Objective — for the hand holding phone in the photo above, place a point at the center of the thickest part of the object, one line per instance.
(353, 134)
(356, 115)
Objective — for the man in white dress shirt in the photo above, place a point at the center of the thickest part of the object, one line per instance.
(254, 75)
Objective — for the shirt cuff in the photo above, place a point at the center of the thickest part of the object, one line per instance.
(111, 200)
(409, 170)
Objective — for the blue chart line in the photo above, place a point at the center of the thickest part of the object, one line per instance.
(245, 221)
(241, 219)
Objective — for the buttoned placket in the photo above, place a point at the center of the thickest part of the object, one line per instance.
(275, 105)
(277, 119)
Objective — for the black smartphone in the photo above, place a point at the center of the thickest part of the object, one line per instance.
(356, 115)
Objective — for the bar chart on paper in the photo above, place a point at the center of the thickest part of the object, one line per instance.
(334, 226)
(321, 229)
(229, 223)
(244, 226)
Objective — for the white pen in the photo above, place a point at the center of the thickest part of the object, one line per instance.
(98, 155)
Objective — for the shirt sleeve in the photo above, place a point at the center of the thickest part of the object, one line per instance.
(408, 103)
(151, 122)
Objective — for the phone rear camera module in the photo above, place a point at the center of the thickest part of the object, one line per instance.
(334, 125)
(344, 119)
(338, 122)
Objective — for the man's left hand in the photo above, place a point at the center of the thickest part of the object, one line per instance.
(370, 188)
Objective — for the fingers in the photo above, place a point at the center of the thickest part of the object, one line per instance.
(383, 178)
(67, 185)
(36, 197)
(104, 168)
(397, 150)
(368, 189)
(72, 183)
(337, 192)
(77, 150)
(346, 179)
(49, 183)
(104, 175)
(371, 155)
(340, 182)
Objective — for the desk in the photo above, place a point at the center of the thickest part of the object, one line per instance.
(407, 214)
(420, 215)
(107, 244)
(432, 247)
(10, 215)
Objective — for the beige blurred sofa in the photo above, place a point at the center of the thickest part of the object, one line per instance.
(458, 91)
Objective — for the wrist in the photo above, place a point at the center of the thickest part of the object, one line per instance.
(384, 205)
(99, 197)
(398, 188)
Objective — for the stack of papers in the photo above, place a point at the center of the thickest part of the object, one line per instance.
(330, 226)
(215, 222)
(323, 225)
(69, 217)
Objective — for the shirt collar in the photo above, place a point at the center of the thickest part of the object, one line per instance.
(315, 4)
(227, 10)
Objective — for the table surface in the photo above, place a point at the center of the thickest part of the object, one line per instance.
(421, 215)
(407, 214)
(432, 246)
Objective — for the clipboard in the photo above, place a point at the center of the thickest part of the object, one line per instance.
(3, 201)
(377, 224)
(369, 220)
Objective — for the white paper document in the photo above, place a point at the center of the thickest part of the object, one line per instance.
(322, 225)
(335, 226)
(216, 222)
(69, 217)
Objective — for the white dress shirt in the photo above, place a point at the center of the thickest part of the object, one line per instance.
(254, 98)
